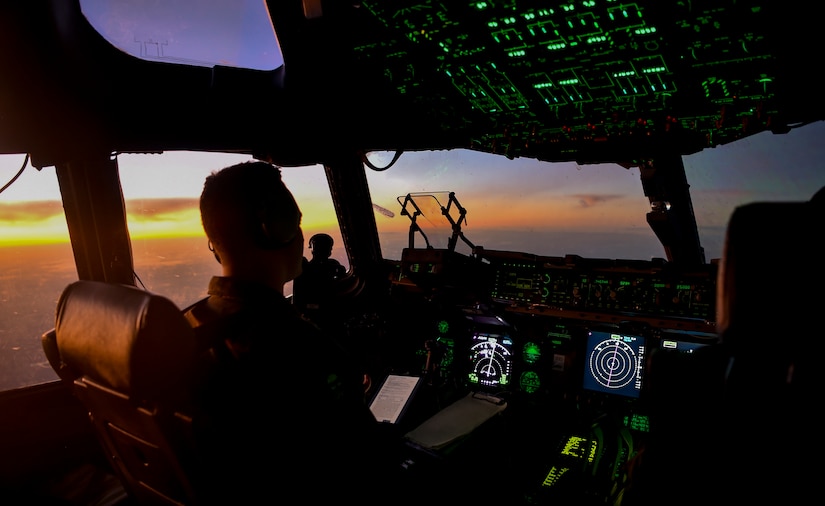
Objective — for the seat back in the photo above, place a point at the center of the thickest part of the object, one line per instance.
(770, 300)
(128, 355)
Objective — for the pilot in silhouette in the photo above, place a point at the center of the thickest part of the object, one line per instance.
(321, 262)
(282, 402)
(314, 289)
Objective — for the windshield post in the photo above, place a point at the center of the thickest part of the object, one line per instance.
(353, 206)
(96, 217)
(671, 216)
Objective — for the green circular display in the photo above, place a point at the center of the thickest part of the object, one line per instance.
(529, 381)
(532, 352)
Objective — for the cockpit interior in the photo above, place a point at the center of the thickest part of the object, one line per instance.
(502, 370)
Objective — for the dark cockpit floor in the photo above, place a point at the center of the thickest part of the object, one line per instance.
(86, 485)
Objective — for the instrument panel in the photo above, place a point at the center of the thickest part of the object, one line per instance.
(653, 292)
(568, 344)
(613, 286)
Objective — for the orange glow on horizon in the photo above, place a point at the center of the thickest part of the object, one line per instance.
(25, 232)
(28, 229)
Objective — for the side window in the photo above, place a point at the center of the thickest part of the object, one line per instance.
(169, 247)
(764, 168)
(36, 264)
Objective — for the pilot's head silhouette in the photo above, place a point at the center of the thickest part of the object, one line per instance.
(321, 245)
(253, 223)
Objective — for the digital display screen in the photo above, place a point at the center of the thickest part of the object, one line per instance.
(518, 283)
(615, 363)
(491, 360)
(680, 346)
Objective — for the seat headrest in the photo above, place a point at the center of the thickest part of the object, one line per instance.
(769, 275)
(122, 337)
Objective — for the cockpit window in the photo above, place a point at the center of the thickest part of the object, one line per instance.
(232, 33)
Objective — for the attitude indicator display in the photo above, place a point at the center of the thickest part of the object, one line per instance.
(491, 360)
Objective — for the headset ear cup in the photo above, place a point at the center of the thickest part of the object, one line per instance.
(265, 240)
(269, 237)
(268, 231)
(275, 215)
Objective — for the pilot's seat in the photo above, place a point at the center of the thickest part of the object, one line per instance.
(738, 422)
(127, 354)
(770, 303)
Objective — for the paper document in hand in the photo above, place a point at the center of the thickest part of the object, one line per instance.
(393, 397)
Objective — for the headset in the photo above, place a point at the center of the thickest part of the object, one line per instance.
(322, 239)
(270, 217)
(269, 234)
(274, 233)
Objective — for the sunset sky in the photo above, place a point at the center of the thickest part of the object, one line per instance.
(161, 193)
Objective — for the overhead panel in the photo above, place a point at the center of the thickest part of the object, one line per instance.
(534, 75)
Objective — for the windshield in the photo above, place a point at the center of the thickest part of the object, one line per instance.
(516, 205)
(596, 211)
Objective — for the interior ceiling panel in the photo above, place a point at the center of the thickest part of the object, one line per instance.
(586, 81)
